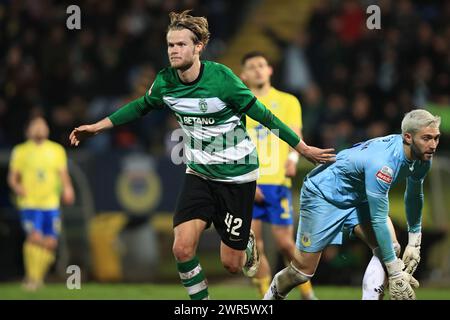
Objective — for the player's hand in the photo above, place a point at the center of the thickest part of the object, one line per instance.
(68, 196)
(315, 155)
(291, 168)
(411, 256)
(259, 195)
(81, 133)
(401, 283)
(89, 130)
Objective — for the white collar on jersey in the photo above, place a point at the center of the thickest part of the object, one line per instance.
(411, 165)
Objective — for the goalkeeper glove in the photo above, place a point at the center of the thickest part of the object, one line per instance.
(411, 256)
(401, 283)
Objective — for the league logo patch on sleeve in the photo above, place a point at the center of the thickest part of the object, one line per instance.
(385, 174)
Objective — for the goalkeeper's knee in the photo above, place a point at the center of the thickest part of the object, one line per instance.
(289, 278)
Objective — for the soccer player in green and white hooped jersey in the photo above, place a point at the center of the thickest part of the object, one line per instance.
(209, 101)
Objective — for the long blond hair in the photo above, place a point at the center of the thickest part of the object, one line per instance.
(197, 25)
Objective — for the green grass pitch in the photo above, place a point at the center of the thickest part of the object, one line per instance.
(218, 291)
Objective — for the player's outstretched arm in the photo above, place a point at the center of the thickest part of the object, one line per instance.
(260, 113)
(129, 112)
(314, 154)
(88, 130)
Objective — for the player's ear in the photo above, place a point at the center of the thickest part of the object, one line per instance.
(407, 137)
(199, 46)
(270, 70)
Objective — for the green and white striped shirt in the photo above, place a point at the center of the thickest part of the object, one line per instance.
(210, 111)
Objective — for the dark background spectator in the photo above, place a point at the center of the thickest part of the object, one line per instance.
(75, 76)
(353, 82)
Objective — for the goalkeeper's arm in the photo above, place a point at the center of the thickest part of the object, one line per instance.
(413, 208)
(401, 283)
(379, 208)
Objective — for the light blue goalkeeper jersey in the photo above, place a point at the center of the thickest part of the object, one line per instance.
(366, 172)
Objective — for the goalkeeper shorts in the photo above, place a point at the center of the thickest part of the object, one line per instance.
(321, 223)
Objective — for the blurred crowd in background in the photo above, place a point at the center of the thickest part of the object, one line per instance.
(353, 83)
(358, 83)
(78, 76)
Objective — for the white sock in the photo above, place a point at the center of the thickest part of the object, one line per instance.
(374, 280)
(284, 281)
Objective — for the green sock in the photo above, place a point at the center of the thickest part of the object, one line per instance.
(193, 279)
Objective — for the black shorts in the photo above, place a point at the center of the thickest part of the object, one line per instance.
(228, 205)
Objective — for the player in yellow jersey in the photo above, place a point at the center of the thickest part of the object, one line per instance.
(273, 199)
(37, 175)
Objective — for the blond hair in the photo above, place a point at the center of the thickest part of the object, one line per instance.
(417, 119)
(197, 25)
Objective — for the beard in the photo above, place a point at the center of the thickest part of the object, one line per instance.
(417, 154)
(183, 64)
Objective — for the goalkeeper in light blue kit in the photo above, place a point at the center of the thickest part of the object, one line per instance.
(353, 193)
